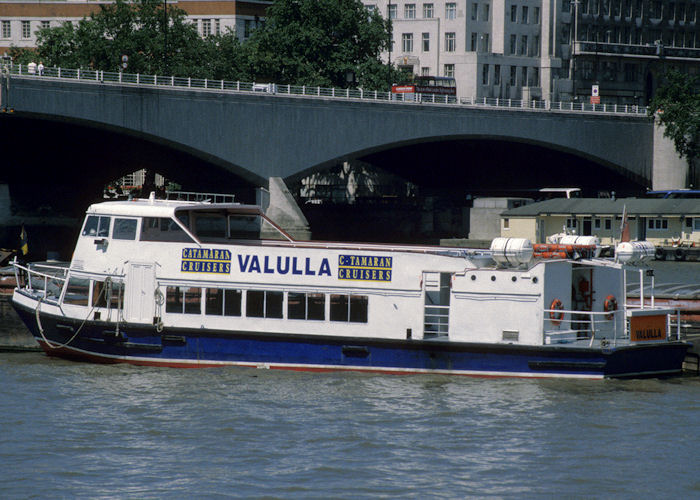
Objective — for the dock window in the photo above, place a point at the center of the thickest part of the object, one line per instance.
(223, 302)
(183, 300)
(352, 308)
(657, 224)
(96, 225)
(124, 229)
(264, 304)
(306, 306)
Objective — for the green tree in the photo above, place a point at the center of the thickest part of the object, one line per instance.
(321, 42)
(136, 29)
(677, 108)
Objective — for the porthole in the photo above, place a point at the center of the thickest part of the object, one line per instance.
(534, 280)
(493, 278)
(514, 279)
(473, 277)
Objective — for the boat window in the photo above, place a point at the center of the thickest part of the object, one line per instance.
(306, 306)
(96, 225)
(352, 308)
(185, 300)
(124, 229)
(77, 292)
(210, 226)
(162, 229)
(264, 304)
(244, 227)
(99, 294)
(223, 302)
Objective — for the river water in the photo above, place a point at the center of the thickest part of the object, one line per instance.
(77, 430)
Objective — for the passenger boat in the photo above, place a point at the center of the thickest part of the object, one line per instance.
(201, 284)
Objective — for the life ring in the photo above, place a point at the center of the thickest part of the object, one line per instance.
(556, 317)
(610, 306)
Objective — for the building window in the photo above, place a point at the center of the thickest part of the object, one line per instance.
(428, 11)
(247, 28)
(513, 13)
(6, 29)
(571, 222)
(608, 224)
(217, 26)
(536, 15)
(513, 76)
(426, 42)
(596, 223)
(26, 29)
(524, 14)
(485, 74)
(513, 43)
(425, 71)
(391, 11)
(409, 11)
(206, 27)
(473, 42)
(45, 24)
(696, 223)
(475, 11)
(630, 72)
(450, 10)
(449, 70)
(485, 42)
(407, 42)
(506, 223)
(450, 42)
(497, 75)
(523, 45)
(486, 12)
(523, 75)
(535, 77)
(657, 224)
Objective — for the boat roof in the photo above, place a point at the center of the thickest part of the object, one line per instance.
(167, 208)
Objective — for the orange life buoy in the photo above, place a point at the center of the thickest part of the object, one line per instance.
(610, 306)
(556, 317)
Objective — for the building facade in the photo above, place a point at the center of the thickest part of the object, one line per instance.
(20, 20)
(546, 49)
(663, 222)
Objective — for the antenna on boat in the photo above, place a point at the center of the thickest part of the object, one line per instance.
(152, 197)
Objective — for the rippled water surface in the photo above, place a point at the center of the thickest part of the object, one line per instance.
(73, 430)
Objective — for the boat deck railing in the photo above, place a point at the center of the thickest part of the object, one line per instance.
(273, 89)
(197, 196)
(594, 326)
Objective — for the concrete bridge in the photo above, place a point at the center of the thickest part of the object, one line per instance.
(259, 135)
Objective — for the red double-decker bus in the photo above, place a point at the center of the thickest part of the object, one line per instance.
(439, 85)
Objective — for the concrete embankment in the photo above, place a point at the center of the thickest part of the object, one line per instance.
(14, 336)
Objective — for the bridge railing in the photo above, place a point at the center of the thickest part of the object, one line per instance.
(319, 92)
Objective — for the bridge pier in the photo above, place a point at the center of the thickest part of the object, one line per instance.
(279, 204)
(669, 169)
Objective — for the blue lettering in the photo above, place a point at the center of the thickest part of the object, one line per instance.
(254, 265)
(243, 264)
(285, 269)
(308, 270)
(268, 269)
(294, 267)
(325, 268)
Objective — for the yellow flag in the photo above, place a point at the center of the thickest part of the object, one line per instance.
(23, 244)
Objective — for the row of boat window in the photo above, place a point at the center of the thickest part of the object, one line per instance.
(267, 304)
(203, 225)
(229, 302)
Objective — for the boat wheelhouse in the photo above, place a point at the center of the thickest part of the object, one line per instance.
(199, 284)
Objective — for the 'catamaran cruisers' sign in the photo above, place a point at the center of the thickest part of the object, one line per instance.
(206, 260)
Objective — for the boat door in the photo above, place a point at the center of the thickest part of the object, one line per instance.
(139, 301)
(436, 288)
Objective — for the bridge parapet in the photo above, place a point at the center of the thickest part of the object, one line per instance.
(141, 80)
